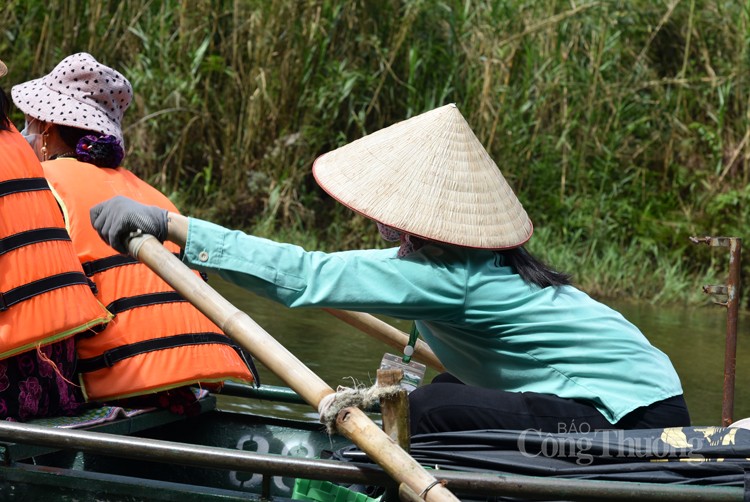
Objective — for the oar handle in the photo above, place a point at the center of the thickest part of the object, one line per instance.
(351, 422)
(386, 333)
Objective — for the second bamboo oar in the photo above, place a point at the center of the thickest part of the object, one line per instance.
(351, 422)
(386, 333)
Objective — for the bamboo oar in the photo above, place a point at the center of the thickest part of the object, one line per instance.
(386, 333)
(351, 422)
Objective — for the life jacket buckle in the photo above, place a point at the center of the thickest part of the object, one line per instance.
(3, 305)
(107, 359)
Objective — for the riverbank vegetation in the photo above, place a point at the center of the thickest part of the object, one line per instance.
(623, 126)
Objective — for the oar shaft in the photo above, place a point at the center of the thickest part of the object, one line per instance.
(352, 422)
(386, 333)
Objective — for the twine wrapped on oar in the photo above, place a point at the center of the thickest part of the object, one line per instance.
(350, 421)
(346, 397)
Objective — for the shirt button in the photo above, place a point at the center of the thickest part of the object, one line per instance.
(203, 256)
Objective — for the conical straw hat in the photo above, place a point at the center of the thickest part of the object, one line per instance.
(428, 176)
(3, 69)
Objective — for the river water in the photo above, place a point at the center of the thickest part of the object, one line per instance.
(693, 338)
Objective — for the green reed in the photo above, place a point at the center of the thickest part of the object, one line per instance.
(622, 125)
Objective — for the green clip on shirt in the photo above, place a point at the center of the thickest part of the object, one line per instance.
(488, 326)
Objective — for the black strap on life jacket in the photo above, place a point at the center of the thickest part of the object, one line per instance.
(131, 302)
(23, 185)
(21, 239)
(26, 291)
(93, 267)
(110, 357)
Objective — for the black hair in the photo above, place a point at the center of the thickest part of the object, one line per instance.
(99, 149)
(4, 110)
(532, 269)
(71, 135)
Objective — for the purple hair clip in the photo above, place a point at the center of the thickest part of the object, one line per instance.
(102, 151)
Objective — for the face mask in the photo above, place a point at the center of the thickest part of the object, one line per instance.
(31, 138)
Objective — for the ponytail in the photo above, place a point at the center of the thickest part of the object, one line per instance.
(533, 270)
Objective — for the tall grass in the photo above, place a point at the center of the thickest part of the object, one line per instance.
(622, 125)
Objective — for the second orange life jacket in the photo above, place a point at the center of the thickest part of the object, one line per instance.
(157, 340)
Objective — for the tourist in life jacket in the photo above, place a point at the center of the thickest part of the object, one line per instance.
(157, 341)
(523, 347)
(45, 298)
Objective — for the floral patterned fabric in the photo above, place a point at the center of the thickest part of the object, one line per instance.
(40, 383)
(409, 243)
(44, 384)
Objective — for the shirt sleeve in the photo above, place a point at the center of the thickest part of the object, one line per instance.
(420, 286)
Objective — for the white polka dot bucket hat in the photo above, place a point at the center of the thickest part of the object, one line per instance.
(80, 92)
(428, 176)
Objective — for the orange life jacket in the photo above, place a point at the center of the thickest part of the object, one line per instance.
(157, 340)
(44, 295)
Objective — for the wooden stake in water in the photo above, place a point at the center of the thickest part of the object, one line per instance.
(732, 303)
(394, 410)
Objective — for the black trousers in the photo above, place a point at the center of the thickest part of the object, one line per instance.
(447, 404)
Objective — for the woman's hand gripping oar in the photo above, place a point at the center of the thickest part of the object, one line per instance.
(350, 422)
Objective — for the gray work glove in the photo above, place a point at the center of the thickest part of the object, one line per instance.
(115, 219)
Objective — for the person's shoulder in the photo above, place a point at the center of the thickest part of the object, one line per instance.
(374, 254)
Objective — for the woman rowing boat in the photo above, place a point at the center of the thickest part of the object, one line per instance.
(522, 346)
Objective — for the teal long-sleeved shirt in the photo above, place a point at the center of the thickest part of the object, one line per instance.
(487, 326)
